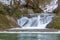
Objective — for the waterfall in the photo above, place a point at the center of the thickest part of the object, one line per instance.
(7, 2)
(38, 21)
(50, 7)
(23, 2)
(41, 20)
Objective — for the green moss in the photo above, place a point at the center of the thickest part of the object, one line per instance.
(2, 10)
(35, 10)
(55, 23)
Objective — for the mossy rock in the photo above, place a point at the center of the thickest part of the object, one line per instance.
(7, 22)
(57, 11)
(55, 23)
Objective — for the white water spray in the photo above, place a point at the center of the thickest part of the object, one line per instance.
(23, 2)
(50, 7)
(38, 21)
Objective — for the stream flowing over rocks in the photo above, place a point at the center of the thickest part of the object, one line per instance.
(36, 20)
(41, 20)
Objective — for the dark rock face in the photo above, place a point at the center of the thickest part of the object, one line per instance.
(57, 9)
(59, 4)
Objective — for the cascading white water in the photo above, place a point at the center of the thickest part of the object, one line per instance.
(50, 7)
(7, 2)
(38, 21)
(41, 20)
(23, 2)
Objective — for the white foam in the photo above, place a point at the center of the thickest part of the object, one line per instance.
(50, 7)
(38, 22)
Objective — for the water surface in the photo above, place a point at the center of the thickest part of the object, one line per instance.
(28, 36)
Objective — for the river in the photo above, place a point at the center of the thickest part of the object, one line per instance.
(29, 36)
